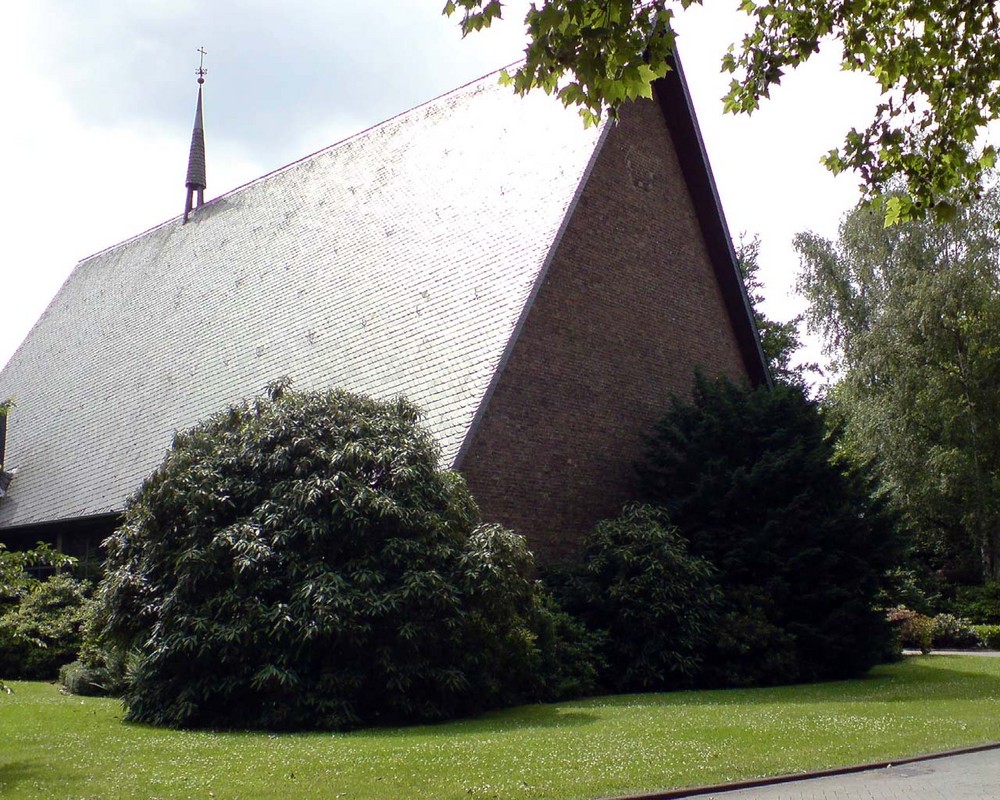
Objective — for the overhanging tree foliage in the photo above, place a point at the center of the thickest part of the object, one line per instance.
(911, 318)
(799, 547)
(937, 63)
(300, 560)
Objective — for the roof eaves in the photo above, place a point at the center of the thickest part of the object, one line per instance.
(674, 99)
(42, 528)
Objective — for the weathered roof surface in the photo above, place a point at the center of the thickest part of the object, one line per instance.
(398, 261)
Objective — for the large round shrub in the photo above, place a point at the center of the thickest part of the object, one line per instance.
(752, 481)
(300, 560)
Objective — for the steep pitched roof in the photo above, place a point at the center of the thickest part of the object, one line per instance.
(401, 260)
(397, 261)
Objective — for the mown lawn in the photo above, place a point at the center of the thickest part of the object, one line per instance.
(54, 746)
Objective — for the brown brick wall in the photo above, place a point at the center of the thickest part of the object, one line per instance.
(630, 306)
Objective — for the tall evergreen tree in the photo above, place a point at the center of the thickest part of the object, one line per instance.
(751, 480)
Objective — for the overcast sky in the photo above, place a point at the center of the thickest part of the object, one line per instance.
(99, 97)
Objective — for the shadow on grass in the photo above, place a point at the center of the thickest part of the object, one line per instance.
(918, 678)
(30, 771)
(510, 720)
(520, 718)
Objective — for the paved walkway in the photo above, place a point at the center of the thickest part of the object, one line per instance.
(972, 776)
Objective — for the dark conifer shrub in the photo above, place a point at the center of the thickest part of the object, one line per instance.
(300, 560)
(752, 482)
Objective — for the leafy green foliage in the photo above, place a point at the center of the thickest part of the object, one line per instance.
(99, 670)
(653, 605)
(989, 635)
(779, 340)
(913, 629)
(978, 603)
(937, 63)
(300, 560)
(75, 678)
(953, 632)
(43, 632)
(570, 653)
(594, 55)
(16, 567)
(16, 583)
(911, 319)
(904, 587)
(942, 631)
(750, 479)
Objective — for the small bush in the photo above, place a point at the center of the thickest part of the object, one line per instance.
(914, 630)
(570, 654)
(102, 670)
(749, 649)
(652, 605)
(989, 636)
(43, 631)
(302, 561)
(76, 678)
(16, 579)
(953, 632)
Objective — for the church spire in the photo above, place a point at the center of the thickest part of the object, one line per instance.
(196, 183)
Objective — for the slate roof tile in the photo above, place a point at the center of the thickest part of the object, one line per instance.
(397, 261)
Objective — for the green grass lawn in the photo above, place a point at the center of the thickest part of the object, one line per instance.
(55, 746)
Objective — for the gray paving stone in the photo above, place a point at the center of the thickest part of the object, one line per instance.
(972, 776)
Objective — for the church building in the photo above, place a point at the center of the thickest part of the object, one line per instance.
(538, 288)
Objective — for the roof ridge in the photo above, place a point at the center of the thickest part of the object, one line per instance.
(297, 161)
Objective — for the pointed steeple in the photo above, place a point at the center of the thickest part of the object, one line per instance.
(196, 182)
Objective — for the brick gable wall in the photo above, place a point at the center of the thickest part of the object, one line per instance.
(628, 309)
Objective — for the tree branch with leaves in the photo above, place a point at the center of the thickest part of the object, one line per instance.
(937, 63)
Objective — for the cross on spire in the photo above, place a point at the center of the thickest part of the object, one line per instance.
(196, 183)
(201, 72)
